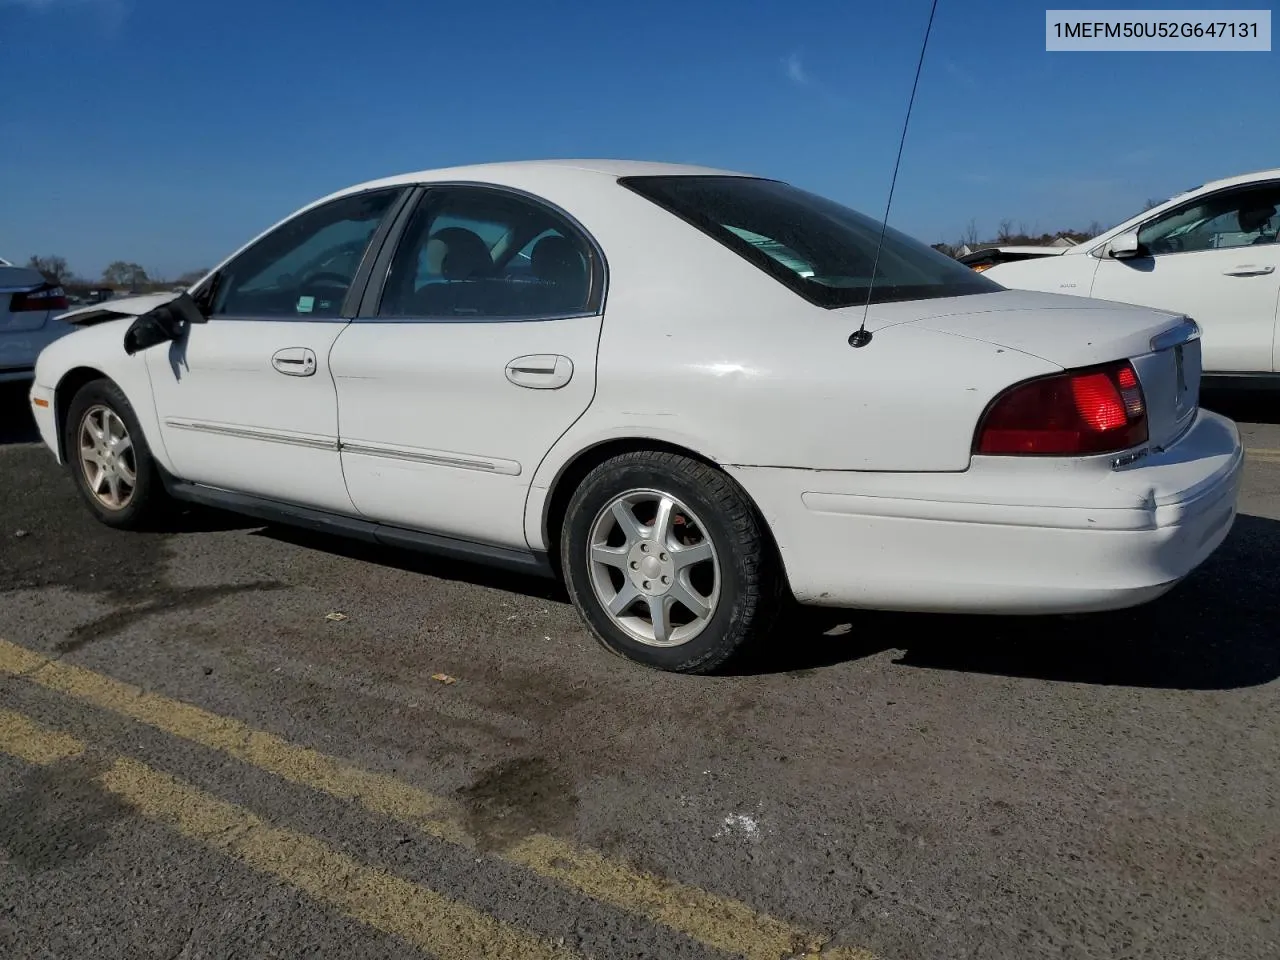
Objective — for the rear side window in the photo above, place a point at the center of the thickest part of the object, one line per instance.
(482, 254)
(816, 247)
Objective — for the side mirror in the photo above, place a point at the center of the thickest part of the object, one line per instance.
(1124, 246)
(163, 324)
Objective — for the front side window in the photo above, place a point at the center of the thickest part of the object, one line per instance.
(820, 249)
(303, 269)
(1233, 218)
(476, 253)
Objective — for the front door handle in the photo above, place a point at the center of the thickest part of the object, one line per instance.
(540, 371)
(294, 361)
(1249, 270)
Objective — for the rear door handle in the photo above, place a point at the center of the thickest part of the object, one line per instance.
(1249, 270)
(294, 361)
(540, 371)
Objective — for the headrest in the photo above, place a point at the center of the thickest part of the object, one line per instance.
(458, 254)
(557, 260)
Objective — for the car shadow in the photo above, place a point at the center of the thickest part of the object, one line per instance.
(1243, 406)
(16, 423)
(1216, 631)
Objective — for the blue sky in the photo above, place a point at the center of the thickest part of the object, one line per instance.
(168, 133)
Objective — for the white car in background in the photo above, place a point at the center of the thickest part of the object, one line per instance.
(1211, 253)
(651, 380)
(29, 308)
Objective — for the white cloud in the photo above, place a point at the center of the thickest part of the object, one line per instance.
(795, 70)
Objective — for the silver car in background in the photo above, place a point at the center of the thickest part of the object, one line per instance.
(29, 308)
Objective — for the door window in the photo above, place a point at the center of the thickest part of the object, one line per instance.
(482, 254)
(1233, 218)
(304, 268)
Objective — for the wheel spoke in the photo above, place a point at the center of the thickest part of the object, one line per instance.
(122, 445)
(127, 473)
(690, 598)
(684, 557)
(609, 556)
(113, 488)
(624, 598)
(628, 522)
(661, 529)
(99, 474)
(660, 614)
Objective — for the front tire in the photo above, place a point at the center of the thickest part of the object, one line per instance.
(109, 459)
(668, 562)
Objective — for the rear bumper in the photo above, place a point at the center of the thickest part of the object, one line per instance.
(1008, 536)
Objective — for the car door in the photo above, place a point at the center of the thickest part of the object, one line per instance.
(246, 401)
(1216, 259)
(476, 353)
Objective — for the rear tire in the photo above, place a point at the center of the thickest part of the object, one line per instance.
(109, 459)
(668, 562)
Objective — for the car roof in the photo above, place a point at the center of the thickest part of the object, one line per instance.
(528, 172)
(1237, 180)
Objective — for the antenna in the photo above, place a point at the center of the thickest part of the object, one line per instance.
(860, 337)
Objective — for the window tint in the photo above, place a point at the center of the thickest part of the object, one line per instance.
(820, 249)
(474, 252)
(1234, 218)
(304, 268)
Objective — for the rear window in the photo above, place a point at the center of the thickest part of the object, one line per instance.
(820, 249)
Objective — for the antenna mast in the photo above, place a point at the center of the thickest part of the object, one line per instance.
(860, 337)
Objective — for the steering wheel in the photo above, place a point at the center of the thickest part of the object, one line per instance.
(325, 279)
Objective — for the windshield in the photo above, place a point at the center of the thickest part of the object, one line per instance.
(820, 249)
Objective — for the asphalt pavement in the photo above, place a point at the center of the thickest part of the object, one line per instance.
(231, 740)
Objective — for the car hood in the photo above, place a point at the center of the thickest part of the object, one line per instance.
(1064, 330)
(114, 309)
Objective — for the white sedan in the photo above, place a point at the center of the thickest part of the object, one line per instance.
(1212, 252)
(649, 380)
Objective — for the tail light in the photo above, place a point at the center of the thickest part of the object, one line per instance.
(981, 267)
(46, 297)
(1079, 412)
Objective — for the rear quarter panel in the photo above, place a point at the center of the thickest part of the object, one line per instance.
(701, 349)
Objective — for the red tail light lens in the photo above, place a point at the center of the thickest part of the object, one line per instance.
(47, 297)
(1079, 412)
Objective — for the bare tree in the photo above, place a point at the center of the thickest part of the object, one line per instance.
(970, 233)
(120, 273)
(1004, 233)
(54, 268)
(1095, 228)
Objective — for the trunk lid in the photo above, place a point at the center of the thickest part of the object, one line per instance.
(1074, 332)
(17, 281)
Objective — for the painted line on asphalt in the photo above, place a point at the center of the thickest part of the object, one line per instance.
(1262, 455)
(422, 917)
(713, 920)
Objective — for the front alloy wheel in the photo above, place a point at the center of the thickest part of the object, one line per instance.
(107, 457)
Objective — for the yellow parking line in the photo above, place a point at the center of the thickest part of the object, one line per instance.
(715, 921)
(28, 741)
(424, 918)
(1263, 456)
